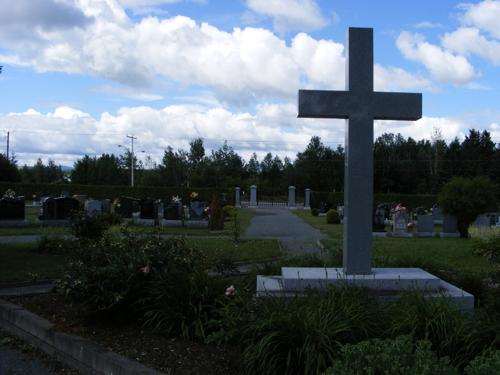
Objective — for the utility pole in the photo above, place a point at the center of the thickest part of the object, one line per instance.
(8, 140)
(132, 138)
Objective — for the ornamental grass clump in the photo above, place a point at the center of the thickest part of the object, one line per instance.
(303, 335)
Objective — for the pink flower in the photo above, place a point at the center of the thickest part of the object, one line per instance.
(145, 269)
(231, 291)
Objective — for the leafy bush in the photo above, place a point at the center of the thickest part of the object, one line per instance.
(489, 248)
(452, 332)
(398, 356)
(162, 282)
(488, 363)
(51, 245)
(302, 335)
(85, 226)
(314, 211)
(228, 212)
(332, 217)
(466, 198)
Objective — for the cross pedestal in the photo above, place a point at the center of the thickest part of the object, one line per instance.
(359, 105)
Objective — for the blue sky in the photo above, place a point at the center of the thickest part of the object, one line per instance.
(79, 75)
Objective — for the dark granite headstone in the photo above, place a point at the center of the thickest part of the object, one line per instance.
(12, 208)
(106, 206)
(197, 211)
(379, 220)
(174, 211)
(127, 206)
(149, 209)
(59, 208)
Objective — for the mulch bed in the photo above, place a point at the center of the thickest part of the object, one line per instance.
(167, 354)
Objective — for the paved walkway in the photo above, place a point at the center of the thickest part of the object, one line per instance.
(295, 236)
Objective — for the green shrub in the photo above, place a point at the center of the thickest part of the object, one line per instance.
(85, 226)
(398, 356)
(314, 211)
(228, 211)
(466, 198)
(488, 363)
(52, 245)
(302, 335)
(452, 332)
(489, 248)
(332, 217)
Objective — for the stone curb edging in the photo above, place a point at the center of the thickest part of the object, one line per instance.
(77, 352)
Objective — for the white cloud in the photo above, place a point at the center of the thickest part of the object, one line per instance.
(290, 14)
(67, 133)
(468, 40)
(484, 15)
(429, 25)
(443, 65)
(396, 79)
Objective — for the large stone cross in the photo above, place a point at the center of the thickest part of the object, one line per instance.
(359, 105)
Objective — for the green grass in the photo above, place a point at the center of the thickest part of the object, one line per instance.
(22, 263)
(244, 217)
(245, 250)
(450, 254)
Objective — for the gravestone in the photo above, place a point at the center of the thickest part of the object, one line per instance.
(291, 196)
(449, 228)
(360, 105)
(58, 210)
(437, 215)
(197, 211)
(253, 196)
(93, 207)
(127, 207)
(425, 226)
(379, 222)
(237, 197)
(400, 224)
(198, 216)
(173, 214)
(106, 206)
(482, 221)
(12, 212)
(148, 209)
(307, 198)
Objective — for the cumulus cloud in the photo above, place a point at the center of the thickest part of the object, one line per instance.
(484, 15)
(290, 14)
(468, 40)
(443, 65)
(67, 133)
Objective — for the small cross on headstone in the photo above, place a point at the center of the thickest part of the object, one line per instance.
(359, 105)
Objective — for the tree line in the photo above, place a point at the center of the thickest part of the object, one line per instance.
(401, 165)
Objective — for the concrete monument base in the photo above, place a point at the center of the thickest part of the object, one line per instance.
(145, 222)
(388, 282)
(425, 234)
(13, 223)
(171, 223)
(54, 223)
(197, 223)
(379, 234)
(449, 235)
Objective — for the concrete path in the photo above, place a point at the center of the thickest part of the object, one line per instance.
(295, 236)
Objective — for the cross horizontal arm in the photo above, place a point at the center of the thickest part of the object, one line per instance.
(323, 104)
(397, 106)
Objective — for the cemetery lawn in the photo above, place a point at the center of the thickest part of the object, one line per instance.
(35, 230)
(22, 263)
(246, 250)
(319, 222)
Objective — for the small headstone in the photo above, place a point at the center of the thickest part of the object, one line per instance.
(449, 228)
(148, 208)
(12, 211)
(379, 220)
(106, 206)
(400, 224)
(174, 211)
(425, 226)
(437, 215)
(197, 211)
(483, 221)
(93, 207)
(127, 207)
(59, 209)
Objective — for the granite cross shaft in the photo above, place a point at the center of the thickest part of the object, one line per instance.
(359, 105)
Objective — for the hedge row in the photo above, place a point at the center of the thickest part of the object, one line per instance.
(103, 192)
(411, 201)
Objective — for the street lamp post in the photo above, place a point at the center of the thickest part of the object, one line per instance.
(131, 151)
